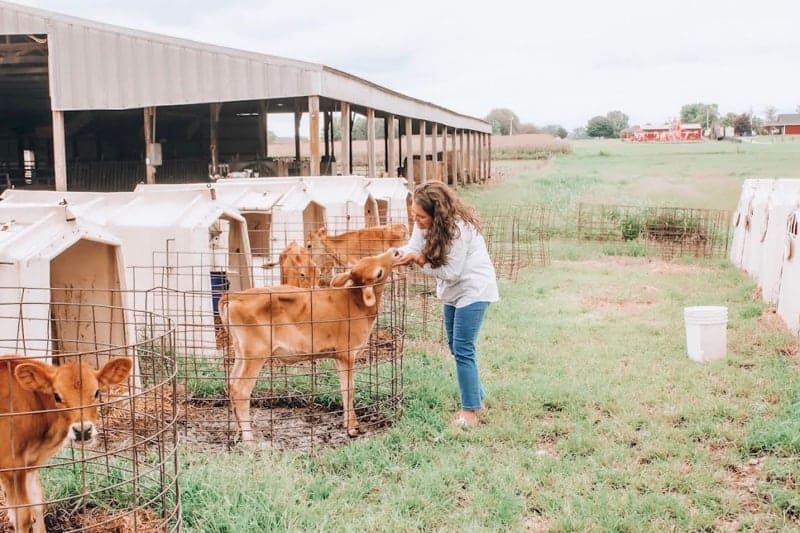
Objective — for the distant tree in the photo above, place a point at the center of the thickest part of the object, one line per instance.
(728, 119)
(770, 114)
(578, 133)
(743, 124)
(618, 121)
(599, 126)
(359, 129)
(526, 128)
(699, 113)
(503, 121)
(555, 130)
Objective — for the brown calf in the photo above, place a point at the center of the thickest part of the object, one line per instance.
(297, 267)
(41, 408)
(345, 249)
(289, 325)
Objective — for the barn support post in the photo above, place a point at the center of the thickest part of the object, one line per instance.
(344, 122)
(461, 157)
(444, 155)
(410, 154)
(214, 110)
(263, 129)
(489, 157)
(59, 151)
(371, 143)
(423, 154)
(149, 134)
(434, 150)
(470, 158)
(391, 153)
(454, 171)
(298, 115)
(313, 134)
(479, 153)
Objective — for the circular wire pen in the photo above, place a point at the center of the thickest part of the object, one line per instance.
(308, 353)
(120, 472)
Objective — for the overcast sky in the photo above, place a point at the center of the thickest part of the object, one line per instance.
(554, 62)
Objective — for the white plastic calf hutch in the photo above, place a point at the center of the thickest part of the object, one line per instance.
(62, 284)
(277, 212)
(756, 231)
(393, 199)
(789, 292)
(784, 200)
(349, 205)
(741, 220)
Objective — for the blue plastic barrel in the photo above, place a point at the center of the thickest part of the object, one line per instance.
(219, 284)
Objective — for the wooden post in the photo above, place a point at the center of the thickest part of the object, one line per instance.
(409, 154)
(344, 124)
(313, 134)
(59, 151)
(489, 157)
(479, 152)
(434, 150)
(214, 139)
(391, 153)
(423, 153)
(444, 155)
(263, 129)
(461, 157)
(297, 116)
(371, 143)
(149, 169)
(456, 167)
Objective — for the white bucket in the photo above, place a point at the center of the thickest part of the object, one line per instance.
(706, 332)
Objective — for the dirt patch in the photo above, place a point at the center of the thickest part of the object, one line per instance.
(771, 321)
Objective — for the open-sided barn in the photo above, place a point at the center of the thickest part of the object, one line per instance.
(90, 106)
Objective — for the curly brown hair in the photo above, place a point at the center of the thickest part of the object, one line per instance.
(445, 208)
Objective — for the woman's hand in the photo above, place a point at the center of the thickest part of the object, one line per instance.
(410, 257)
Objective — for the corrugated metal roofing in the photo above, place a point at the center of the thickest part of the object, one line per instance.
(99, 66)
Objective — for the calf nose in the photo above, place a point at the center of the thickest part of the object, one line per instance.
(83, 433)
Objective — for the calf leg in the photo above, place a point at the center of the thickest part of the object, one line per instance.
(344, 366)
(242, 380)
(24, 517)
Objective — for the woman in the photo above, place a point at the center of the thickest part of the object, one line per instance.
(447, 244)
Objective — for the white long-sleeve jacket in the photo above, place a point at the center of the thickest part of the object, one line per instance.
(468, 275)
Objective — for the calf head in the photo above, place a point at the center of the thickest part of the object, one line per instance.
(315, 245)
(75, 387)
(367, 273)
(297, 267)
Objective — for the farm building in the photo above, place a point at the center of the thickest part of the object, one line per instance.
(90, 106)
(675, 132)
(785, 124)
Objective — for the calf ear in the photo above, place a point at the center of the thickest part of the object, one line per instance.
(35, 376)
(368, 295)
(341, 280)
(114, 371)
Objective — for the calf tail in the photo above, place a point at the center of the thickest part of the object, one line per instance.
(222, 308)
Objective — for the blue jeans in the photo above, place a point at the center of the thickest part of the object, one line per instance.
(462, 325)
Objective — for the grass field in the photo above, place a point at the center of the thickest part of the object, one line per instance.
(597, 419)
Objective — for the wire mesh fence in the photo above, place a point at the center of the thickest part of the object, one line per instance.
(121, 471)
(297, 400)
(666, 232)
(517, 238)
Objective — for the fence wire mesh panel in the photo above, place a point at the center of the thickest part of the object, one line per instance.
(518, 238)
(424, 321)
(296, 400)
(666, 231)
(120, 470)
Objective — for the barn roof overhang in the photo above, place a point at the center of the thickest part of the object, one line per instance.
(97, 66)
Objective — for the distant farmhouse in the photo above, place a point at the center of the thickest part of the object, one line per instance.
(786, 124)
(675, 132)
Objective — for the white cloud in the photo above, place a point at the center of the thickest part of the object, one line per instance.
(552, 63)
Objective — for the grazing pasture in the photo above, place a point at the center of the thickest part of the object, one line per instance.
(597, 419)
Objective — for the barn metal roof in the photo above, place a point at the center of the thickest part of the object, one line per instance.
(93, 65)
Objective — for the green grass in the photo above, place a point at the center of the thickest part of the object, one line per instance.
(597, 421)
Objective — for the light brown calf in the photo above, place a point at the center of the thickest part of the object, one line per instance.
(297, 267)
(41, 408)
(345, 249)
(289, 325)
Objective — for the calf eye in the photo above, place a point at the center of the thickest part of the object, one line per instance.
(97, 394)
(56, 397)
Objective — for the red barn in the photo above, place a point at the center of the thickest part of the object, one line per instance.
(787, 124)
